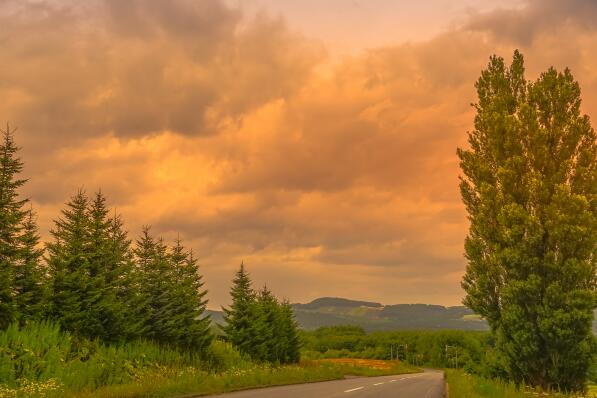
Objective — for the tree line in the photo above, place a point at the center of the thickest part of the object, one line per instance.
(97, 283)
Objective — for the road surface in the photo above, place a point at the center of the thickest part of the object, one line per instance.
(418, 385)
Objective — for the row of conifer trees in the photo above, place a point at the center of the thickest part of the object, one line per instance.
(94, 281)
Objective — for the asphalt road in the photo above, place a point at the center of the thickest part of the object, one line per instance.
(419, 385)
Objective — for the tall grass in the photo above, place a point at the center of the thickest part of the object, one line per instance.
(463, 385)
(38, 360)
(39, 354)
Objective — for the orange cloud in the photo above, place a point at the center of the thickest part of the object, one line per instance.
(327, 177)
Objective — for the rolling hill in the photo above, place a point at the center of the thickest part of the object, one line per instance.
(329, 311)
(332, 311)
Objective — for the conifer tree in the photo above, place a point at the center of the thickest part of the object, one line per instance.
(288, 329)
(270, 341)
(157, 287)
(190, 324)
(109, 267)
(124, 279)
(73, 293)
(30, 278)
(239, 320)
(530, 188)
(11, 221)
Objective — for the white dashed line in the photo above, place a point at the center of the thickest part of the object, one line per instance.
(391, 381)
(354, 389)
(378, 384)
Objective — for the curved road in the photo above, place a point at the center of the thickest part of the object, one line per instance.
(418, 385)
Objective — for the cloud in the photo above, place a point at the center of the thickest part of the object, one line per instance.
(328, 177)
(538, 17)
(138, 68)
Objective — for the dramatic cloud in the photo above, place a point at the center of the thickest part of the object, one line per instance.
(327, 176)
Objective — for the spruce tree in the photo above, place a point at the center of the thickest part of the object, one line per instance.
(30, 277)
(109, 264)
(157, 287)
(190, 325)
(239, 320)
(144, 257)
(288, 330)
(124, 279)
(530, 188)
(270, 341)
(73, 292)
(11, 220)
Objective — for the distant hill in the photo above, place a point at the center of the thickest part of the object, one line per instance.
(331, 311)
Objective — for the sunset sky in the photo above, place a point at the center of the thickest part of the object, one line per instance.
(315, 140)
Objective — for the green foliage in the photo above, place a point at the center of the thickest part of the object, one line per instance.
(12, 217)
(259, 325)
(239, 325)
(39, 359)
(187, 298)
(172, 299)
(441, 349)
(83, 271)
(464, 385)
(30, 281)
(38, 352)
(530, 188)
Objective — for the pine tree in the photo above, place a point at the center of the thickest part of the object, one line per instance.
(270, 342)
(124, 279)
(144, 257)
(288, 329)
(157, 287)
(530, 188)
(30, 278)
(109, 262)
(74, 295)
(239, 320)
(190, 325)
(11, 221)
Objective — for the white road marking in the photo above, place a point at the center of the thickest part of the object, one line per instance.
(391, 381)
(354, 389)
(378, 384)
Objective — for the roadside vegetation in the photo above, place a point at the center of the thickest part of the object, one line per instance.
(464, 385)
(38, 360)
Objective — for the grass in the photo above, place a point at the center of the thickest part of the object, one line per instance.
(40, 361)
(462, 385)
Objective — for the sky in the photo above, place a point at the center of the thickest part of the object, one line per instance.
(313, 140)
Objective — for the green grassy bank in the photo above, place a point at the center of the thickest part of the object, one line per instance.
(463, 385)
(39, 360)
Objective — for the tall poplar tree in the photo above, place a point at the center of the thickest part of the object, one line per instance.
(12, 216)
(530, 188)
